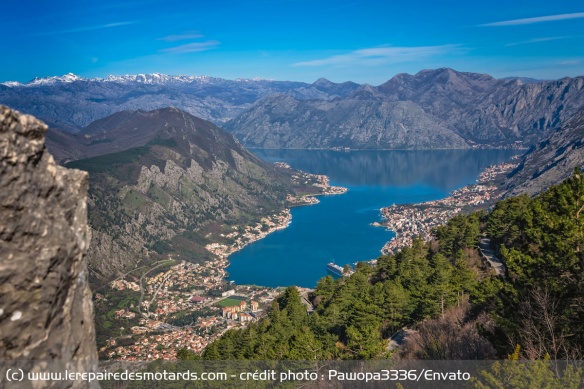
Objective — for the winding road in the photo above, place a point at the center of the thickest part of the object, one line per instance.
(488, 253)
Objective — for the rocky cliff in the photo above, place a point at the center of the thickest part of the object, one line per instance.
(46, 311)
(364, 120)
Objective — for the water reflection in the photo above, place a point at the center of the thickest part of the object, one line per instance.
(339, 228)
(444, 169)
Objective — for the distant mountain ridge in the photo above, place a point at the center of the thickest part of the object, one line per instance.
(439, 108)
(71, 102)
(153, 78)
(118, 132)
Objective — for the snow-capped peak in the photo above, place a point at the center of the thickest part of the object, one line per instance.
(156, 78)
(255, 79)
(151, 79)
(12, 84)
(69, 77)
(38, 81)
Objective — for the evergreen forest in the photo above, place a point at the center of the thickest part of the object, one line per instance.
(440, 300)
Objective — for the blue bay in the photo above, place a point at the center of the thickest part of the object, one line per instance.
(339, 227)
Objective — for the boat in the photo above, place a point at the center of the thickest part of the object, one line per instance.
(335, 269)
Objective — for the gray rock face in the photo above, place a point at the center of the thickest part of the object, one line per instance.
(552, 161)
(46, 311)
(362, 121)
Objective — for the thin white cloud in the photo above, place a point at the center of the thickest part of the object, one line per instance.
(82, 29)
(540, 19)
(570, 62)
(191, 47)
(381, 55)
(181, 37)
(536, 40)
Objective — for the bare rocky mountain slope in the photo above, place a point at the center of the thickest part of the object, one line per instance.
(46, 311)
(550, 162)
(439, 108)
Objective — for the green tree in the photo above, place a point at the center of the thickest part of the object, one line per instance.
(515, 374)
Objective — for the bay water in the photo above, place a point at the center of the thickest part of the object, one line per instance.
(338, 229)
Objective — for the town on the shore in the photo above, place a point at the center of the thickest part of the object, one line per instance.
(409, 221)
(186, 306)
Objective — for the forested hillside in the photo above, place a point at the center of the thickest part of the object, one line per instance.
(171, 187)
(452, 304)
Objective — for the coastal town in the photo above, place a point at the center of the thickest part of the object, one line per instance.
(250, 234)
(182, 306)
(319, 181)
(178, 305)
(409, 221)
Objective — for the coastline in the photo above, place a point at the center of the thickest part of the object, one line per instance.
(181, 277)
(277, 221)
(251, 234)
(409, 221)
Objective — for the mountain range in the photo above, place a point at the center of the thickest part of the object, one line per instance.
(165, 182)
(71, 102)
(439, 108)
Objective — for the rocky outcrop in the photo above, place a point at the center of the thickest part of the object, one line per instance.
(46, 311)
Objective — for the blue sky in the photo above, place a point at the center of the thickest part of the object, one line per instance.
(362, 41)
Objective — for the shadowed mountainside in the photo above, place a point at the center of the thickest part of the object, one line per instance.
(550, 162)
(177, 183)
